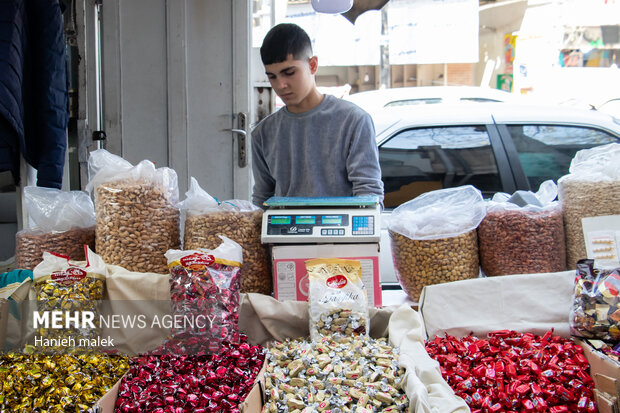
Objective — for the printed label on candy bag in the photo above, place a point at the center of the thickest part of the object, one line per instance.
(197, 261)
(337, 281)
(68, 276)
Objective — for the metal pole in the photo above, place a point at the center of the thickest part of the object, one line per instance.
(384, 64)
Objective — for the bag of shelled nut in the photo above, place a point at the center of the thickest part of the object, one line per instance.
(137, 214)
(434, 240)
(239, 220)
(59, 221)
(523, 233)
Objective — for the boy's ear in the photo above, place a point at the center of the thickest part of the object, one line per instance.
(314, 64)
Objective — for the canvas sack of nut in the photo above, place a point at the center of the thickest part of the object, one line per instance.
(239, 220)
(136, 209)
(434, 238)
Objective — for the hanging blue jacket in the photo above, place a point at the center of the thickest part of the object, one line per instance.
(33, 88)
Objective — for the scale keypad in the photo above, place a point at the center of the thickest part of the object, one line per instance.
(363, 225)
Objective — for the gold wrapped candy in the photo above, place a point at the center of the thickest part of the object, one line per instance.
(59, 383)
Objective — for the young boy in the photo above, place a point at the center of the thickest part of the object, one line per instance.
(317, 145)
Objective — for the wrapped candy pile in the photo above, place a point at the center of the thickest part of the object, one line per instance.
(209, 367)
(58, 383)
(514, 372)
(340, 369)
(342, 373)
(198, 383)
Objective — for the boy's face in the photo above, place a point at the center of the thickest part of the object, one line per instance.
(293, 80)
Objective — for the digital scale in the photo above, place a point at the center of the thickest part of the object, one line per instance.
(299, 229)
(339, 220)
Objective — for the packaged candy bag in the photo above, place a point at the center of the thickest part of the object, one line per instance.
(69, 287)
(595, 312)
(338, 298)
(204, 289)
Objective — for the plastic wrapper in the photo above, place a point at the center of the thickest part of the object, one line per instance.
(525, 239)
(57, 383)
(191, 383)
(60, 221)
(434, 239)
(595, 312)
(516, 372)
(338, 302)
(343, 374)
(238, 220)
(69, 288)
(589, 190)
(137, 215)
(204, 288)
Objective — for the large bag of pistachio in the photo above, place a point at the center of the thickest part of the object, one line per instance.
(434, 238)
(59, 221)
(137, 214)
(240, 220)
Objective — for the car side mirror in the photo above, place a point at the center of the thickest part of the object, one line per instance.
(332, 6)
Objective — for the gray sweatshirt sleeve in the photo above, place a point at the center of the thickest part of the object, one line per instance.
(363, 159)
(264, 184)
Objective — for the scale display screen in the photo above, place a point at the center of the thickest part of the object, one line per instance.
(280, 220)
(305, 220)
(331, 219)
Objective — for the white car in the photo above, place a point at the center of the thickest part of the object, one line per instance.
(496, 147)
(374, 100)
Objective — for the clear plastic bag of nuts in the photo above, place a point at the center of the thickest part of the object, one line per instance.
(137, 214)
(239, 220)
(591, 189)
(523, 239)
(434, 239)
(59, 221)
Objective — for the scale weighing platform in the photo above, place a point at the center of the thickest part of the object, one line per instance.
(299, 229)
(322, 220)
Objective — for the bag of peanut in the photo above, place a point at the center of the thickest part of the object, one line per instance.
(137, 214)
(523, 239)
(591, 189)
(434, 239)
(59, 221)
(239, 220)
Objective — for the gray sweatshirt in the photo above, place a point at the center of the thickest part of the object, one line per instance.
(328, 151)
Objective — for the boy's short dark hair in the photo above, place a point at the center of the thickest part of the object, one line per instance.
(283, 40)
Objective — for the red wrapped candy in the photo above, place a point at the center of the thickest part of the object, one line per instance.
(509, 371)
(191, 383)
(204, 289)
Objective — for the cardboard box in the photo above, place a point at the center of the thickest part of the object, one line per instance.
(253, 403)
(4, 318)
(290, 278)
(606, 375)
